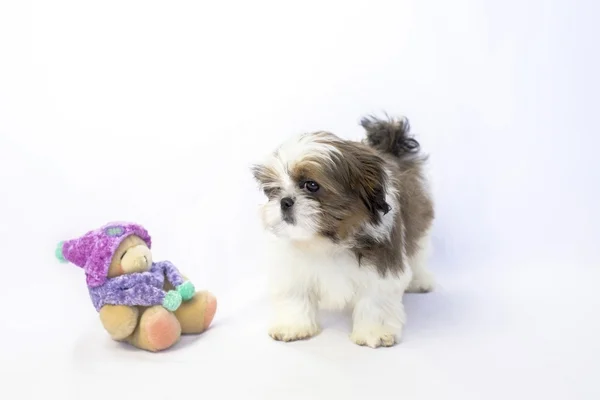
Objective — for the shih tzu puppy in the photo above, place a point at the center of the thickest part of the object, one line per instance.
(349, 224)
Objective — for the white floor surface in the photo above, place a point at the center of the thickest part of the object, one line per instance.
(502, 331)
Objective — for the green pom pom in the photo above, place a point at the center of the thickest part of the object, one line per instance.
(186, 290)
(172, 300)
(59, 252)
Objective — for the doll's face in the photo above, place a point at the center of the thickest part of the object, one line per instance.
(132, 255)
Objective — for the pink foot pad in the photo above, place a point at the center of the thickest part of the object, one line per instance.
(162, 330)
(211, 310)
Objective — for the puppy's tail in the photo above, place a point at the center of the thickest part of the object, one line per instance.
(391, 136)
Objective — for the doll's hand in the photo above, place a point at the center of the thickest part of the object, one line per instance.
(186, 290)
(172, 300)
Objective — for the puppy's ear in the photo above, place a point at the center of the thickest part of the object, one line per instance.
(258, 172)
(372, 194)
(377, 201)
(369, 178)
(266, 178)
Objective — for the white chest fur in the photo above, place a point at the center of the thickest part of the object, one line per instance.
(329, 273)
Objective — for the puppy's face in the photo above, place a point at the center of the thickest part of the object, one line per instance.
(318, 185)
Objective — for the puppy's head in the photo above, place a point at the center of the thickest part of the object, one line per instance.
(318, 185)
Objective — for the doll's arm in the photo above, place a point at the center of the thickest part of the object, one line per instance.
(130, 280)
(170, 271)
(183, 286)
(144, 295)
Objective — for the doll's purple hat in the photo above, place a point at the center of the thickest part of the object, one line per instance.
(94, 251)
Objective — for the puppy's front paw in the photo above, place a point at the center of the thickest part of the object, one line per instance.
(422, 283)
(376, 336)
(290, 333)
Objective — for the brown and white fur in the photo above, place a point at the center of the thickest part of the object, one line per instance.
(349, 224)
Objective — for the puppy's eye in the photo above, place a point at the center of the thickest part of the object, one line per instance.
(123, 255)
(311, 186)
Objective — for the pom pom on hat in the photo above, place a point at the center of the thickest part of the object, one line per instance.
(59, 252)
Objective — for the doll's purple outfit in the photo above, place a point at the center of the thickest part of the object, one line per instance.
(137, 289)
(94, 251)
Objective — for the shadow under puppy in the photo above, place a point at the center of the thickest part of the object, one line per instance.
(147, 304)
(349, 225)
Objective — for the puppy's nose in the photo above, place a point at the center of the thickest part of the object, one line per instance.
(286, 203)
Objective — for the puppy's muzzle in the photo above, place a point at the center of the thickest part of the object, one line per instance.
(287, 204)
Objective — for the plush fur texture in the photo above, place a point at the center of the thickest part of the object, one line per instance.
(349, 224)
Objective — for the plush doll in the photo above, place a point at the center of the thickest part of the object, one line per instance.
(147, 304)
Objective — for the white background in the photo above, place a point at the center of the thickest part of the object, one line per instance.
(152, 111)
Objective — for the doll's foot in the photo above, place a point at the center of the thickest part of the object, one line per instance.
(119, 321)
(196, 315)
(158, 330)
(211, 310)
